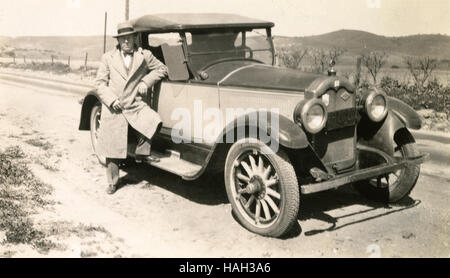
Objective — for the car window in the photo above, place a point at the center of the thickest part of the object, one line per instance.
(205, 48)
(258, 42)
(155, 40)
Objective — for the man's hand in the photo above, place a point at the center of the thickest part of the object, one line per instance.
(116, 106)
(142, 88)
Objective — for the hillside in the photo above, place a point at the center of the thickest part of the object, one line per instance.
(75, 47)
(356, 42)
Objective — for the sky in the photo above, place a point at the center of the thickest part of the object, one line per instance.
(291, 17)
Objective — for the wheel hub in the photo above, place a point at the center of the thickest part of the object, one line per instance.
(255, 186)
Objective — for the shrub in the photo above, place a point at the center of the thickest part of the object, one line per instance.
(420, 69)
(433, 95)
(291, 58)
(374, 61)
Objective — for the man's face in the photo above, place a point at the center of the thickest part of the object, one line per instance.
(127, 43)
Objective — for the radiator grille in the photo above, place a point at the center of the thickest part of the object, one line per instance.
(336, 144)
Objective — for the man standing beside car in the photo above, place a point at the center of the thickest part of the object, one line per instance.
(123, 79)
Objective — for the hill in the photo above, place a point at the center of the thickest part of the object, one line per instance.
(356, 42)
(75, 47)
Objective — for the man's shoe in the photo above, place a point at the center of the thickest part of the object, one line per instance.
(111, 189)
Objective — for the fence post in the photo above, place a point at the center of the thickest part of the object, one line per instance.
(14, 58)
(68, 62)
(52, 59)
(85, 62)
(358, 71)
(24, 60)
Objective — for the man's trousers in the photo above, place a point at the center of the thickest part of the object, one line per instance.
(143, 148)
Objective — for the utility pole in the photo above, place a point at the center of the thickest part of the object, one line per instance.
(104, 34)
(127, 9)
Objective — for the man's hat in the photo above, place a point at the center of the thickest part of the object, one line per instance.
(124, 29)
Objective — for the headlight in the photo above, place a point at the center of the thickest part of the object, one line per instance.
(375, 106)
(312, 114)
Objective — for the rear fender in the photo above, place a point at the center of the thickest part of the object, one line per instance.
(88, 102)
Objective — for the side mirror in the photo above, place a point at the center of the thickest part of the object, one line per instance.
(175, 62)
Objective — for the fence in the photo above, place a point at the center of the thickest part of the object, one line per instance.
(53, 59)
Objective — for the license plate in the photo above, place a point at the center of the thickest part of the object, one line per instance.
(341, 118)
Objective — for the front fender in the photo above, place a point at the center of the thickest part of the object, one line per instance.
(384, 135)
(404, 113)
(286, 132)
(88, 102)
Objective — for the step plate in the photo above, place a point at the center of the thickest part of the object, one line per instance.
(171, 162)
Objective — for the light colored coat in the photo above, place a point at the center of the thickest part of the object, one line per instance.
(113, 82)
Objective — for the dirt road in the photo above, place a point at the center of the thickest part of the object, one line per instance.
(157, 214)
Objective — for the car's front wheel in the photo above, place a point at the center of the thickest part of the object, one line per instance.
(395, 186)
(262, 188)
(95, 121)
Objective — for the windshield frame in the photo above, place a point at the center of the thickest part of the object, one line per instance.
(196, 71)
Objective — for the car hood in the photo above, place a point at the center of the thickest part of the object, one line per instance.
(255, 75)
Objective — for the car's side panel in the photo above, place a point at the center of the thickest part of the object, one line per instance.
(241, 103)
(242, 99)
(182, 108)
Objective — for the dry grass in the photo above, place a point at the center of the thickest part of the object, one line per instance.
(44, 159)
(21, 195)
(40, 143)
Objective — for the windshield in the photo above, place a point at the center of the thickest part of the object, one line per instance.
(207, 48)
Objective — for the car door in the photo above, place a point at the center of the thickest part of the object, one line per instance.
(189, 111)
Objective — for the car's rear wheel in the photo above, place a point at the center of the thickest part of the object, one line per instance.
(95, 121)
(262, 188)
(395, 186)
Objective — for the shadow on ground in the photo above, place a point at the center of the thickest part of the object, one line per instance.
(315, 206)
(209, 189)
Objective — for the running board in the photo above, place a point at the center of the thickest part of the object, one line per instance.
(171, 161)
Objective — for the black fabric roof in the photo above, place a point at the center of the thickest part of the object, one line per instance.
(187, 22)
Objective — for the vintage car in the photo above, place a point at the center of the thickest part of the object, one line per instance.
(325, 133)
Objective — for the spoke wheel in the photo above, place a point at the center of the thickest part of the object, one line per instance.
(262, 188)
(95, 122)
(395, 186)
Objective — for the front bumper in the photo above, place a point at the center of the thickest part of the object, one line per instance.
(392, 164)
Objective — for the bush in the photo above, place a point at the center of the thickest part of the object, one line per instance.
(432, 96)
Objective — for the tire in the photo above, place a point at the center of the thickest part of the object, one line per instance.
(391, 191)
(267, 184)
(95, 125)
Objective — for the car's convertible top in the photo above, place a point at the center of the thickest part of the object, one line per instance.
(175, 22)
